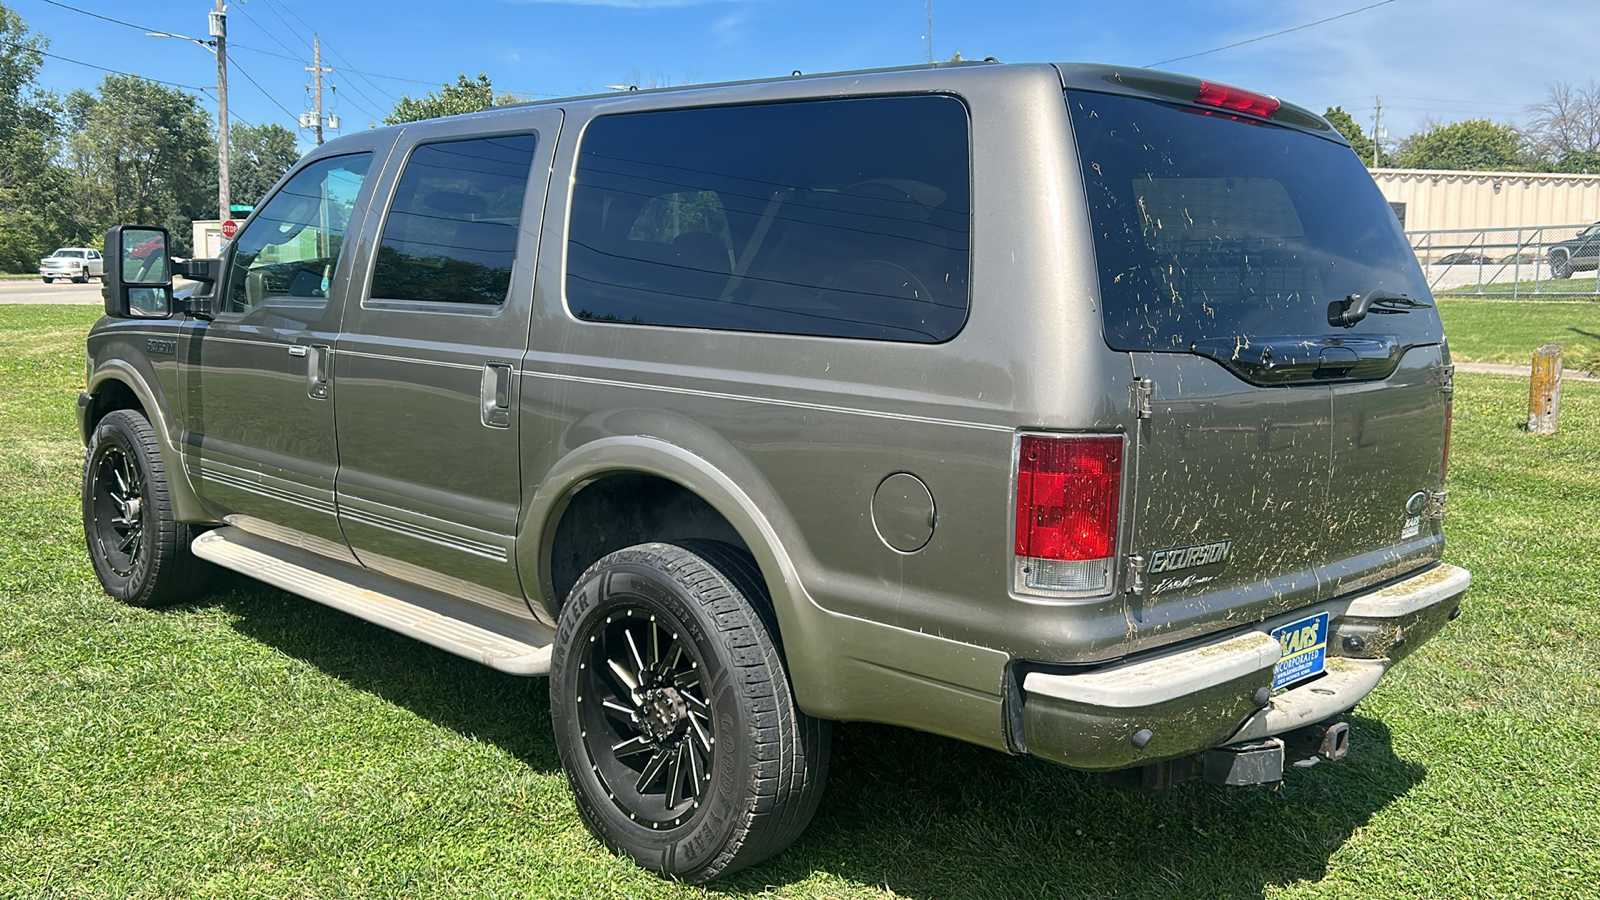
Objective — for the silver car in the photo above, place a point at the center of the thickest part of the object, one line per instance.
(1094, 414)
(77, 263)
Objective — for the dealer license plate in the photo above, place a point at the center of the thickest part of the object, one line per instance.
(1304, 650)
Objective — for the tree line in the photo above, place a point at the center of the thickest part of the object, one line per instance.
(132, 150)
(1562, 134)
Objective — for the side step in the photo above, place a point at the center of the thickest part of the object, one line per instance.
(508, 643)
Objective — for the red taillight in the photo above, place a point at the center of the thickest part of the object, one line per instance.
(1449, 421)
(1068, 490)
(1224, 96)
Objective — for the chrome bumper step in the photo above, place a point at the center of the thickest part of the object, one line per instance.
(508, 643)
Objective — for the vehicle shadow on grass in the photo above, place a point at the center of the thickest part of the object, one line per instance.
(511, 712)
(929, 817)
(923, 816)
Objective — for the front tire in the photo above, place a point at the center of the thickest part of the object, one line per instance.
(673, 713)
(82, 277)
(1560, 265)
(139, 552)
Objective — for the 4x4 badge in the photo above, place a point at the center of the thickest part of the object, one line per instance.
(1176, 558)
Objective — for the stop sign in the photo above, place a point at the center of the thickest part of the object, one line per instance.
(229, 229)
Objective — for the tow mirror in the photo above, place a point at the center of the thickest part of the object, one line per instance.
(138, 271)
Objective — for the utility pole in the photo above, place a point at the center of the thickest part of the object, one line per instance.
(317, 72)
(1377, 129)
(219, 33)
(930, 32)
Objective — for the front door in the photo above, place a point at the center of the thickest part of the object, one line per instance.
(429, 482)
(260, 445)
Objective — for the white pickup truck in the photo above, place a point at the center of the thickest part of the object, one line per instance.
(78, 263)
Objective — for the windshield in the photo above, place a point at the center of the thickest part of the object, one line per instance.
(73, 253)
(1209, 226)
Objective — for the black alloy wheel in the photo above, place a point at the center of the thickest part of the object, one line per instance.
(647, 729)
(673, 714)
(117, 534)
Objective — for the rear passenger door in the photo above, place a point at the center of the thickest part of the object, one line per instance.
(429, 483)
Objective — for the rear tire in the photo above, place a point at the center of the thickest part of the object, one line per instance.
(673, 713)
(140, 553)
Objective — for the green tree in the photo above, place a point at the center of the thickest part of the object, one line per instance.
(31, 218)
(1477, 144)
(465, 96)
(1345, 125)
(141, 152)
(258, 155)
(1579, 162)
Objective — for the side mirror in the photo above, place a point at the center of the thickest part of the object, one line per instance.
(138, 270)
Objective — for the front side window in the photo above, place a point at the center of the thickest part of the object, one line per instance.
(451, 235)
(836, 218)
(290, 247)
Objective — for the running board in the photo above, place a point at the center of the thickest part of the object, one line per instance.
(500, 641)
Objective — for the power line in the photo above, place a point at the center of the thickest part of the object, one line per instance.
(292, 116)
(369, 81)
(272, 9)
(98, 16)
(246, 13)
(1272, 35)
(80, 62)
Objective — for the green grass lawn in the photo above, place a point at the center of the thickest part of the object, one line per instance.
(1502, 330)
(253, 744)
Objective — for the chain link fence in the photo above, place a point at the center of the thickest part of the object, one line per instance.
(1537, 261)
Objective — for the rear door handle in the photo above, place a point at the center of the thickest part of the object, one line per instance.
(495, 395)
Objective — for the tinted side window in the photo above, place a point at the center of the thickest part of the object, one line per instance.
(838, 218)
(451, 235)
(290, 246)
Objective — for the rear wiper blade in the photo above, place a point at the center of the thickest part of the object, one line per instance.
(1354, 308)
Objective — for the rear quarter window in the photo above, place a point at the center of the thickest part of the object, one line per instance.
(839, 218)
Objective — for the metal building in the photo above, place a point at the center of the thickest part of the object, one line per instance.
(1434, 200)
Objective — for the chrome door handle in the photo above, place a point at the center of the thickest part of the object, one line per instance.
(495, 395)
(297, 351)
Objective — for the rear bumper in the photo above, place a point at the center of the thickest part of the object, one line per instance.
(1217, 693)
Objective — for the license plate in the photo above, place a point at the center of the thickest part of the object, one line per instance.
(1304, 650)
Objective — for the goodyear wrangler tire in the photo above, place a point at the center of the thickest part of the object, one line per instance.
(673, 713)
(140, 553)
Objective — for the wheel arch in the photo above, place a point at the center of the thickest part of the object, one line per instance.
(117, 384)
(660, 469)
(703, 500)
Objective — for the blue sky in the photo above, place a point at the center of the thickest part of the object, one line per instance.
(1444, 59)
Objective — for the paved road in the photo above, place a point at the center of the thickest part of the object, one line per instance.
(35, 291)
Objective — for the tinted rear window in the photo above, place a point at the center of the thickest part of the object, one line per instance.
(841, 218)
(1207, 226)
